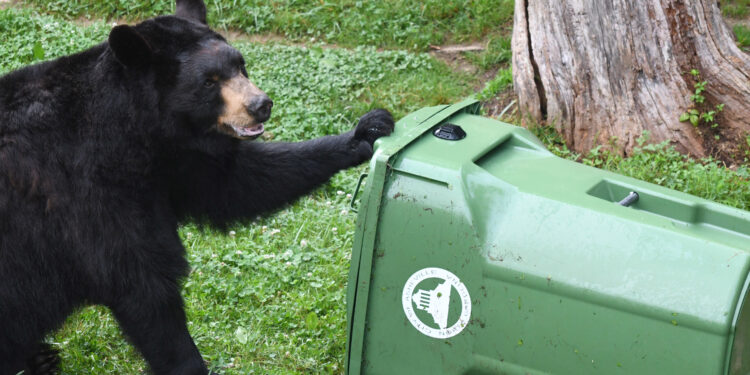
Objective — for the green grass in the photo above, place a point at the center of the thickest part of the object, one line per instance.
(266, 300)
(663, 165)
(409, 24)
(497, 53)
(743, 36)
(22, 31)
(735, 8)
(501, 82)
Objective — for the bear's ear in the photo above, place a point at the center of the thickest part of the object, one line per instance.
(129, 46)
(193, 9)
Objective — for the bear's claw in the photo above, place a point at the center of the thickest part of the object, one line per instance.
(373, 125)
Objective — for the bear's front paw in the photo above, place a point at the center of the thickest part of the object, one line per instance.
(373, 125)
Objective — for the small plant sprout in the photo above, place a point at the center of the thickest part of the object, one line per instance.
(697, 114)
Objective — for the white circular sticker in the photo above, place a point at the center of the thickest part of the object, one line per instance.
(429, 293)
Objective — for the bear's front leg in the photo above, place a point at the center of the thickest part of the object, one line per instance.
(227, 182)
(153, 318)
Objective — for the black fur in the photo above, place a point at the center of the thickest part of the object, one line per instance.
(102, 154)
(195, 9)
(45, 362)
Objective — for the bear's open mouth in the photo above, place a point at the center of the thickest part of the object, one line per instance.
(252, 131)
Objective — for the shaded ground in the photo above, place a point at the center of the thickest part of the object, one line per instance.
(454, 56)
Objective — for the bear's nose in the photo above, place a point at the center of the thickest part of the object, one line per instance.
(260, 108)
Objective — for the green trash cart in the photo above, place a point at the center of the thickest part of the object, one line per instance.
(477, 251)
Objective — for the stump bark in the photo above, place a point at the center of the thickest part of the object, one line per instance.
(604, 71)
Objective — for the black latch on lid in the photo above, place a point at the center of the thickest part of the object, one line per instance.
(450, 132)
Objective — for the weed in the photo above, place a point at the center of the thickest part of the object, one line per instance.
(695, 115)
(553, 140)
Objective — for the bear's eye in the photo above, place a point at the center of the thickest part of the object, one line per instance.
(209, 83)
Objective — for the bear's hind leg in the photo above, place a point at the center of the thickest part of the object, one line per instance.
(154, 320)
(21, 350)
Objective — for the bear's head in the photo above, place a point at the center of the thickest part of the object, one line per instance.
(202, 81)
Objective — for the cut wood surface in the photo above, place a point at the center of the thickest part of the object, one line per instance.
(605, 71)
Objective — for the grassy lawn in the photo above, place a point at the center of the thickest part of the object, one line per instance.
(735, 8)
(269, 296)
(409, 24)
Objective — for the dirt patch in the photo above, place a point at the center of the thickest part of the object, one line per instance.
(235, 36)
(453, 56)
(239, 36)
(732, 22)
(505, 101)
(85, 22)
(456, 62)
(721, 144)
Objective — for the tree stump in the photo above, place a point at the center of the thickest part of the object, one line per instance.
(605, 71)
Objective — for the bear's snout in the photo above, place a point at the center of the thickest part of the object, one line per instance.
(260, 107)
(246, 107)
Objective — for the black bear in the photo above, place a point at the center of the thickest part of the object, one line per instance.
(104, 152)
